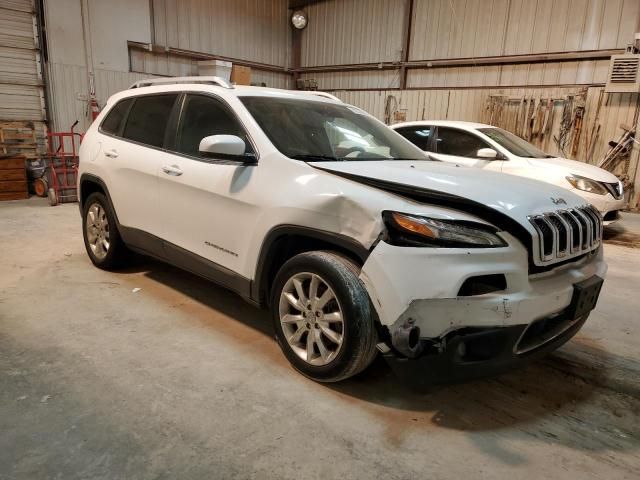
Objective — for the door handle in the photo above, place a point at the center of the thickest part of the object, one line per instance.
(111, 153)
(172, 170)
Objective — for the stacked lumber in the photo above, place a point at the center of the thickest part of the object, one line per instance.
(13, 177)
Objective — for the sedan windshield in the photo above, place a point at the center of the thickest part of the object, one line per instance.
(513, 143)
(315, 131)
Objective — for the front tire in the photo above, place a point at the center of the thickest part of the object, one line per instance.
(322, 315)
(101, 237)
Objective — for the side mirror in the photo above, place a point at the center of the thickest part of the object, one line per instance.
(488, 153)
(226, 147)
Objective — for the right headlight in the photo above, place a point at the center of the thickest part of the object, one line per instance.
(587, 185)
(418, 231)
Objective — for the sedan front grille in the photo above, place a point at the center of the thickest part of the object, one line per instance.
(565, 234)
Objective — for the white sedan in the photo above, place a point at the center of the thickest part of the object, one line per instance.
(491, 148)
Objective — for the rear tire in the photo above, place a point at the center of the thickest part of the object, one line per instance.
(101, 237)
(322, 315)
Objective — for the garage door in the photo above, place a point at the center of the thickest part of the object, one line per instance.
(22, 111)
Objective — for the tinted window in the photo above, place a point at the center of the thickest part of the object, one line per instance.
(419, 136)
(311, 130)
(457, 142)
(148, 119)
(203, 116)
(113, 121)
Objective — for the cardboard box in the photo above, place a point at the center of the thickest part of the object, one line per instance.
(214, 68)
(241, 75)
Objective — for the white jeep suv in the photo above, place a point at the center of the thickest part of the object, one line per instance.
(491, 148)
(354, 239)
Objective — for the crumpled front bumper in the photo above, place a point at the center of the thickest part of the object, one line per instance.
(421, 287)
(453, 364)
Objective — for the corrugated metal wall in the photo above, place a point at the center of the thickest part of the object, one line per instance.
(255, 30)
(338, 34)
(470, 28)
(353, 31)
(250, 29)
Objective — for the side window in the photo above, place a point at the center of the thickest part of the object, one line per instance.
(111, 124)
(451, 141)
(148, 118)
(419, 136)
(204, 116)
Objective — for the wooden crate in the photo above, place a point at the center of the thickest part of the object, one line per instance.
(13, 178)
(18, 138)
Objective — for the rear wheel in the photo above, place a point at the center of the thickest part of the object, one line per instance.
(322, 315)
(101, 237)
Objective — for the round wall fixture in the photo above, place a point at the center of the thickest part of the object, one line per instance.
(299, 19)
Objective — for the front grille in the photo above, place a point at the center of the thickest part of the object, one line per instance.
(566, 234)
(615, 189)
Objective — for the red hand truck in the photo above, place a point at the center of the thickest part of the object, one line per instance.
(62, 156)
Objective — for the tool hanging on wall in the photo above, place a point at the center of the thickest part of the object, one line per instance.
(390, 108)
(619, 149)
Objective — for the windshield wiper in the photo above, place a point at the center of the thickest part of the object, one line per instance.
(310, 157)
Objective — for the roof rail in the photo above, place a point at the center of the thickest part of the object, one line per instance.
(318, 93)
(221, 82)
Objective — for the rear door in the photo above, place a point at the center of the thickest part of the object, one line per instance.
(206, 202)
(133, 152)
(459, 146)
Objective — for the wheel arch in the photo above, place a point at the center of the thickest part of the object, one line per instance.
(90, 184)
(285, 241)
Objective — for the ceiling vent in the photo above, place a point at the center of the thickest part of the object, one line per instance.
(624, 74)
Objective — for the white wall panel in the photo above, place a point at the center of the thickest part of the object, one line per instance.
(472, 28)
(254, 30)
(353, 31)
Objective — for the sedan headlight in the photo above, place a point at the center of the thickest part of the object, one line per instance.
(417, 231)
(587, 185)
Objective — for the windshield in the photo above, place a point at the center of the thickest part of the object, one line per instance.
(513, 143)
(318, 131)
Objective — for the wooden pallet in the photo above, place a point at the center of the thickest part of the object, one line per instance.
(18, 138)
(13, 178)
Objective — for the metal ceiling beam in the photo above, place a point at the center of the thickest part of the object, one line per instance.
(475, 61)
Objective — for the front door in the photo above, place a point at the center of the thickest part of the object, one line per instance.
(206, 202)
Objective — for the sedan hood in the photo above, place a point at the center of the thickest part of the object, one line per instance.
(514, 197)
(563, 167)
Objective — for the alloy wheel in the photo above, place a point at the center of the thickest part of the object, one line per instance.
(311, 318)
(97, 227)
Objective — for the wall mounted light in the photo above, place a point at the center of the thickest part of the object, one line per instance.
(299, 19)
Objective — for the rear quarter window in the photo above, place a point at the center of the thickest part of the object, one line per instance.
(115, 117)
(148, 119)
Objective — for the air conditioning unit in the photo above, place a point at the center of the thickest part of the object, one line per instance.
(624, 74)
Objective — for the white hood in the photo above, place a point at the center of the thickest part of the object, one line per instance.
(563, 167)
(516, 197)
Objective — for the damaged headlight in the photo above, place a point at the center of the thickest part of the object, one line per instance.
(417, 231)
(587, 185)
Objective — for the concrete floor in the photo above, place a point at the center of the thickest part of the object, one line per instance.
(183, 380)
